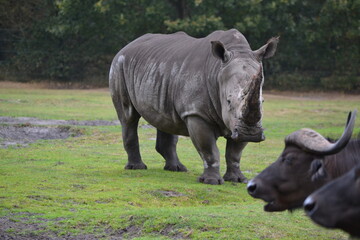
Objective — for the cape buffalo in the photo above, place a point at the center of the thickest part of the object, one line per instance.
(308, 162)
(203, 88)
(337, 204)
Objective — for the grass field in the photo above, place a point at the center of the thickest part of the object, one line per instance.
(77, 188)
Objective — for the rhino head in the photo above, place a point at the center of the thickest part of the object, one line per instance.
(240, 84)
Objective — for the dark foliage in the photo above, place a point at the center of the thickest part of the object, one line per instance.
(73, 40)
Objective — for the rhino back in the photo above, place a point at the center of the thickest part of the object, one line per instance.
(170, 77)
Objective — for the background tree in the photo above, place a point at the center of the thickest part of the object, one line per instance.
(73, 40)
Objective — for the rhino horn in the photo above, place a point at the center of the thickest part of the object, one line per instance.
(313, 142)
(252, 111)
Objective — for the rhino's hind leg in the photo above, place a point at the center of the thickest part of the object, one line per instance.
(131, 145)
(166, 146)
(233, 155)
(129, 119)
(127, 114)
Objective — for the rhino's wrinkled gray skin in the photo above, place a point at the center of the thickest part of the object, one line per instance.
(202, 88)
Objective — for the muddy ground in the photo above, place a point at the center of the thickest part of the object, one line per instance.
(22, 227)
(21, 131)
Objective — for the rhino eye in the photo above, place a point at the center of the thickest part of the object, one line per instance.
(228, 101)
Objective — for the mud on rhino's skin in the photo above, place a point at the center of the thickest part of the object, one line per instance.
(203, 88)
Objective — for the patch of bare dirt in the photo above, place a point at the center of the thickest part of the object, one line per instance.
(168, 193)
(22, 135)
(24, 226)
(19, 132)
(37, 121)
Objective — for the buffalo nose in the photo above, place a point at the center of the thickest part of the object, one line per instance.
(251, 187)
(309, 205)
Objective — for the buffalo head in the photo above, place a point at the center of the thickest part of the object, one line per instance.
(337, 204)
(240, 82)
(299, 170)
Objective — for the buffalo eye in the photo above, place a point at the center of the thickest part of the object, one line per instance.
(289, 160)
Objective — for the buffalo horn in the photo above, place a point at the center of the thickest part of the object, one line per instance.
(312, 141)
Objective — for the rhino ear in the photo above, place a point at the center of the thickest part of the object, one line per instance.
(268, 50)
(219, 51)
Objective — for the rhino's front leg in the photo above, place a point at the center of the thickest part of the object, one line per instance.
(204, 139)
(233, 155)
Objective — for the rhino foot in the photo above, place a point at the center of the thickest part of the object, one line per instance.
(134, 166)
(211, 180)
(175, 168)
(235, 177)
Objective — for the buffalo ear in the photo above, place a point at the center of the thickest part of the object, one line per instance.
(219, 51)
(268, 50)
(317, 170)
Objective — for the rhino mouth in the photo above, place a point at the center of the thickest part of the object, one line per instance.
(248, 134)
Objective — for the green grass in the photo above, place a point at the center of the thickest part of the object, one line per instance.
(57, 104)
(78, 186)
